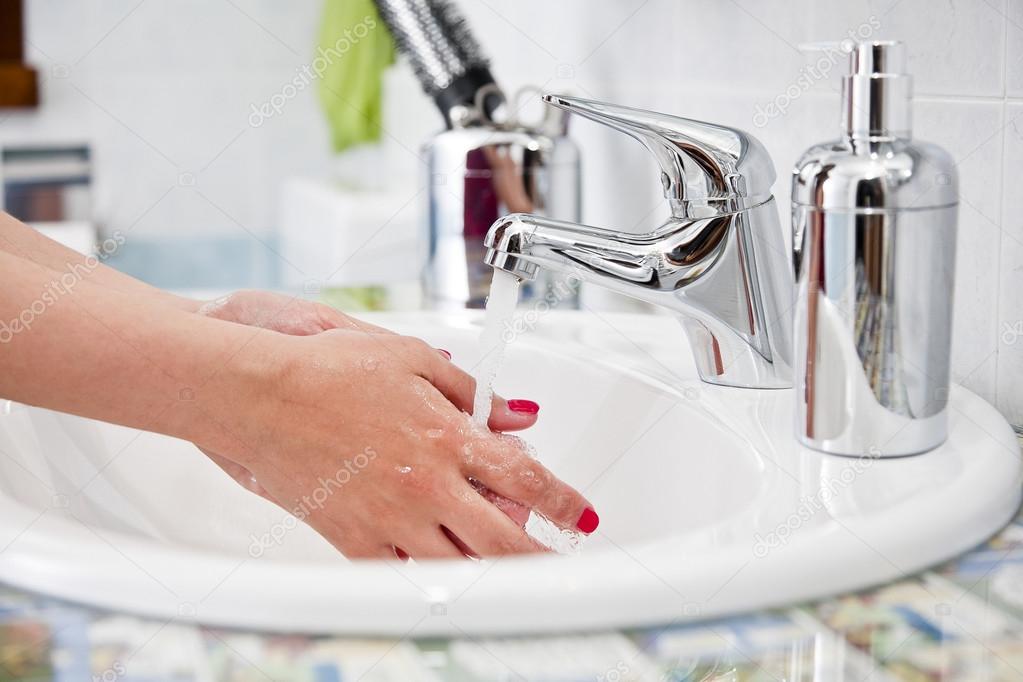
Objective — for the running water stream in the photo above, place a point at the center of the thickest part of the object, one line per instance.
(500, 311)
(504, 296)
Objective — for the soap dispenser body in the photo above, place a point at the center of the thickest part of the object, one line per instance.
(874, 228)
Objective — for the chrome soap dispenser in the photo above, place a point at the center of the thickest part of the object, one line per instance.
(874, 236)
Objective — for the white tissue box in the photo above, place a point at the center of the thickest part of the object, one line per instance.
(332, 235)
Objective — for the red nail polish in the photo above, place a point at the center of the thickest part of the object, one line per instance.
(588, 522)
(444, 353)
(523, 406)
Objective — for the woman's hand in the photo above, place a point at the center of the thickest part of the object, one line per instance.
(281, 313)
(300, 317)
(366, 434)
(365, 428)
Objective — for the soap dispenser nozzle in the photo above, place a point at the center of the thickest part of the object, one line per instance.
(876, 93)
(876, 90)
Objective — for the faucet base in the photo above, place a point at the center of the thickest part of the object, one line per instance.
(723, 359)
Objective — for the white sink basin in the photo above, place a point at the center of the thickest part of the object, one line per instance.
(707, 505)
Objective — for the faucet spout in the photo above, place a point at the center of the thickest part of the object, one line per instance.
(633, 263)
(713, 272)
(719, 261)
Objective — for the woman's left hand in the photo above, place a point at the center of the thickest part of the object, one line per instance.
(280, 313)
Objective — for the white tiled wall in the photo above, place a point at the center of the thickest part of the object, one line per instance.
(163, 89)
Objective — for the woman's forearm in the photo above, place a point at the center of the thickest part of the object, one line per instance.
(286, 412)
(21, 240)
(94, 351)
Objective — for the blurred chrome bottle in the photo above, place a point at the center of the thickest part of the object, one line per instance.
(479, 173)
(486, 164)
(874, 225)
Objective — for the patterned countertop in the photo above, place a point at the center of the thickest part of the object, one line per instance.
(962, 621)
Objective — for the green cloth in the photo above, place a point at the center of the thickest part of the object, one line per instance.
(354, 49)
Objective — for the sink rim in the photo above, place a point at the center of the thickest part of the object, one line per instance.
(577, 577)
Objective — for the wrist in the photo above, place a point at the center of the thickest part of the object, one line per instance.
(236, 408)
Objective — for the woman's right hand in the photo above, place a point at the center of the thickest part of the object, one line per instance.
(298, 317)
(367, 436)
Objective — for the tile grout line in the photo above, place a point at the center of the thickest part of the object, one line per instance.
(1006, 136)
(1006, 133)
(1005, 50)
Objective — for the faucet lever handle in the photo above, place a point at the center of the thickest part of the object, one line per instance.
(706, 169)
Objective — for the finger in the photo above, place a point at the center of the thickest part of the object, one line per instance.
(365, 551)
(515, 511)
(512, 415)
(465, 549)
(503, 466)
(460, 389)
(490, 532)
(332, 318)
(431, 544)
(352, 544)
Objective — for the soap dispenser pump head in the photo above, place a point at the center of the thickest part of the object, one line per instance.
(877, 93)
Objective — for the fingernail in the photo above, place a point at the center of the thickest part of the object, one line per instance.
(444, 353)
(588, 522)
(523, 406)
(400, 554)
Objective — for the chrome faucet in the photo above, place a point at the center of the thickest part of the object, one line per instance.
(720, 260)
